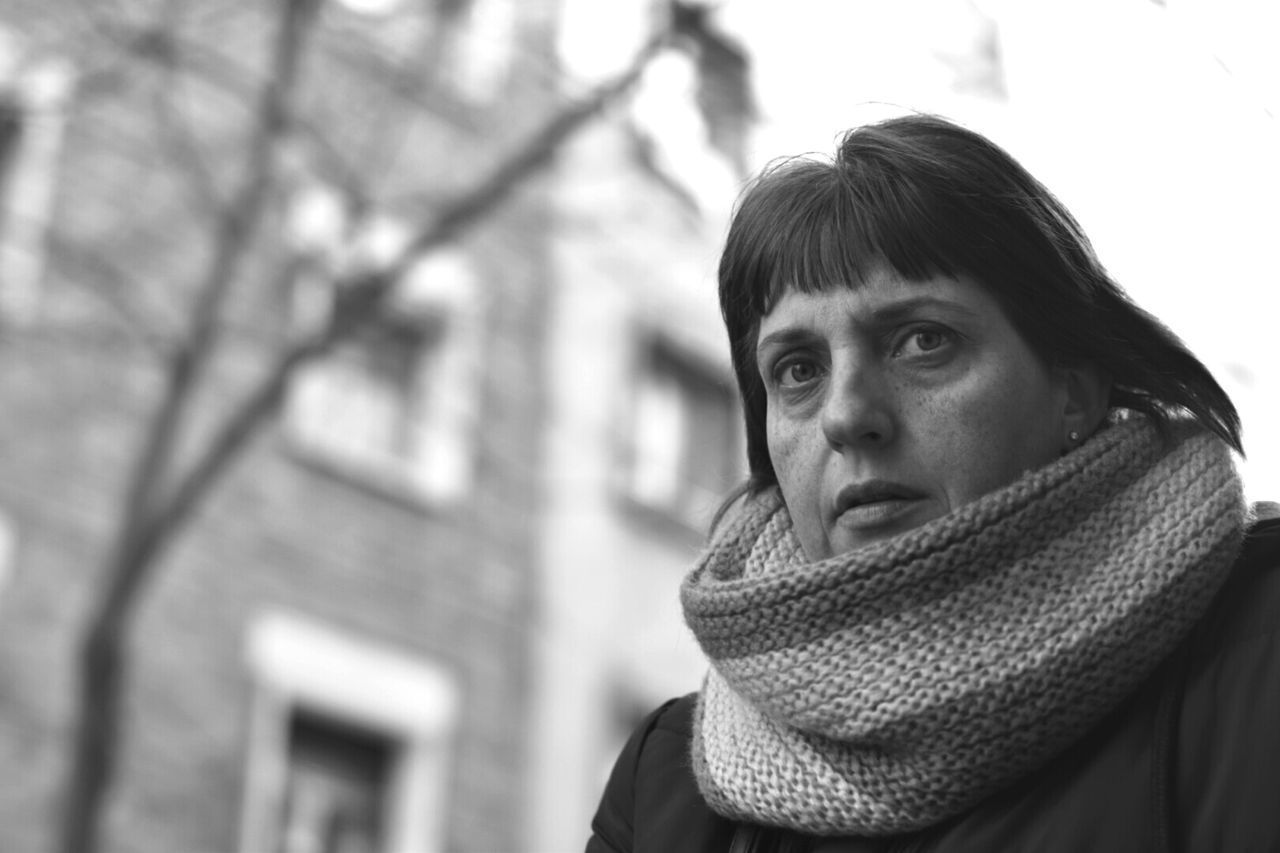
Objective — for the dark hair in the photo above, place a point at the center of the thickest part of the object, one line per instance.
(927, 197)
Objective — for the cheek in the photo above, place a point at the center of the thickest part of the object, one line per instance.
(989, 439)
(782, 437)
(797, 457)
(784, 443)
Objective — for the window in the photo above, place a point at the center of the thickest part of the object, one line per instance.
(684, 436)
(348, 749)
(335, 789)
(32, 121)
(395, 405)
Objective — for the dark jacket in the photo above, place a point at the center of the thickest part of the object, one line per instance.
(1190, 762)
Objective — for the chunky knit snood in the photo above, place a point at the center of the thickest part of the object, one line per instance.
(889, 688)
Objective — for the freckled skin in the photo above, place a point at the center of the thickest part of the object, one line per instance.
(925, 384)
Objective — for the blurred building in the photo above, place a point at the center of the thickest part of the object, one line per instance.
(424, 609)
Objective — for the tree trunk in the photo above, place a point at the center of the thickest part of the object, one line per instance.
(161, 500)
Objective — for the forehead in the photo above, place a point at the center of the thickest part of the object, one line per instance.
(882, 296)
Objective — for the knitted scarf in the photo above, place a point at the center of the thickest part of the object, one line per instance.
(888, 688)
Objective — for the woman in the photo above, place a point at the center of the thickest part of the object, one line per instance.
(992, 584)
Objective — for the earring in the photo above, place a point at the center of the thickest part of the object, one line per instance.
(1073, 436)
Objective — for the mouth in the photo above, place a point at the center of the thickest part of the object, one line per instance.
(874, 503)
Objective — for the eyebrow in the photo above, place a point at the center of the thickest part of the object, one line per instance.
(885, 315)
(902, 308)
(788, 335)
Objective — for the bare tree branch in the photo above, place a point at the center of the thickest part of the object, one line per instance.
(133, 44)
(511, 173)
(95, 267)
(182, 143)
(160, 498)
(101, 663)
(361, 299)
(235, 230)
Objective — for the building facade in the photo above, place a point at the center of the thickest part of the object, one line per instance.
(423, 607)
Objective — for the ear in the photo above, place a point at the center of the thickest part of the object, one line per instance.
(1088, 394)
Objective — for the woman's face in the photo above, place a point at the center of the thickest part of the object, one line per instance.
(894, 402)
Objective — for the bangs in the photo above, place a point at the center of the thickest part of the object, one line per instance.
(812, 226)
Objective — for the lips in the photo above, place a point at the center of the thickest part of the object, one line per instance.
(876, 508)
(871, 493)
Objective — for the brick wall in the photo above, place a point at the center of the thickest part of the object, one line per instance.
(449, 585)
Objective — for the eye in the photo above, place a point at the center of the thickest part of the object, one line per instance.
(924, 340)
(928, 340)
(795, 372)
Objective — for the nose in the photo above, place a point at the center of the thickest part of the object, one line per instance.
(858, 409)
